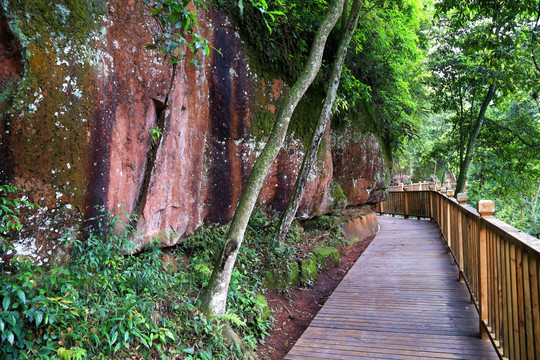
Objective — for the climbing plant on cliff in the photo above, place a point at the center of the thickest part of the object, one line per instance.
(179, 29)
(350, 21)
(214, 299)
(180, 36)
(397, 107)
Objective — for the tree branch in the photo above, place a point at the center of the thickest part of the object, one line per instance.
(525, 142)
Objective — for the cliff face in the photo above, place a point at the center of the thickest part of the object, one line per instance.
(79, 96)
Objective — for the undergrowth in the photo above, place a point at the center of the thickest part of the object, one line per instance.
(104, 304)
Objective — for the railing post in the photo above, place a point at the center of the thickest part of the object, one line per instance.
(405, 204)
(462, 200)
(449, 194)
(442, 215)
(486, 208)
(430, 197)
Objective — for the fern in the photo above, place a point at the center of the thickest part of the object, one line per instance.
(232, 318)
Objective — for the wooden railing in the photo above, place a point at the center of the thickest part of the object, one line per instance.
(499, 263)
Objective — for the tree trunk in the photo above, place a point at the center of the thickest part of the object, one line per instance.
(214, 299)
(471, 146)
(324, 119)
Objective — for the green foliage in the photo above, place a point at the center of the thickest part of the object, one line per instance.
(179, 36)
(328, 224)
(308, 271)
(103, 304)
(155, 134)
(382, 89)
(10, 209)
(283, 51)
(326, 256)
(507, 170)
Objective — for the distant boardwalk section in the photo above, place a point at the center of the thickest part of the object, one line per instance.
(401, 300)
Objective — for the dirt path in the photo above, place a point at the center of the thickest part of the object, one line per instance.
(294, 310)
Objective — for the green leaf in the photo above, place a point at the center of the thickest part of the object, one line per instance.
(38, 318)
(150, 47)
(5, 303)
(10, 338)
(189, 351)
(241, 8)
(114, 337)
(22, 296)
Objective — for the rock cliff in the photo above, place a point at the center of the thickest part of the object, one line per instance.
(79, 95)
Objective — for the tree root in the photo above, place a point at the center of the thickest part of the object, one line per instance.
(231, 335)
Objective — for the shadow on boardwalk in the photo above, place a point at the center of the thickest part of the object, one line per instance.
(401, 300)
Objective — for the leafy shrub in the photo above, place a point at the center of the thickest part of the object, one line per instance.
(105, 304)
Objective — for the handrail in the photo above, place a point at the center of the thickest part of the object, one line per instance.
(499, 263)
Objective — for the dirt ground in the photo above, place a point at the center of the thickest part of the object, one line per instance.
(293, 310)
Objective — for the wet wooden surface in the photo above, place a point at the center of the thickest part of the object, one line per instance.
(401, 300)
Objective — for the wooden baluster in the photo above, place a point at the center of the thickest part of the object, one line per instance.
(535, 304)
(430, 197)
(449, 194)
(442, 214)
(462, 200)
(486, 208)
(405, 203)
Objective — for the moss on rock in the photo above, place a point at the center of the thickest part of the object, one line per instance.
(326, 256)
(306, 114)
(261, 124)
(262, 307)
(308, 271)
(337, 199)
(283, 278)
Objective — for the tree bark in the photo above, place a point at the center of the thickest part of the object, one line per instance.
(214, 298)
(471, 146)
(324, 119)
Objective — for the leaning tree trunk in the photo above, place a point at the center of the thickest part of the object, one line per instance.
(214, 299)
(471, 146)
(324, 118)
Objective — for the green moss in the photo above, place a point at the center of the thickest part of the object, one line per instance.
(306, 115)
(261, 124)
(52, 107)
(308, 271)
(324, 222)
(262, 307)
(337, 199)
(293, 274)
(73, 19)
(326, 256)
(282, 278)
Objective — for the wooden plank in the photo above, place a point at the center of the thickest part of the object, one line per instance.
(508, 340)
(483, 281)
(500, 299)
(535, 306)
(521, 310)
(401, 300)
(528, 306)
(515, 307)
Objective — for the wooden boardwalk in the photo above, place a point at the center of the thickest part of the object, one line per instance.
(401, 300)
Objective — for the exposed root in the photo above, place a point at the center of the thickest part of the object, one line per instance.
(231, 335)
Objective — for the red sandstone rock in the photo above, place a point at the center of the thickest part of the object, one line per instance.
(98, 150)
